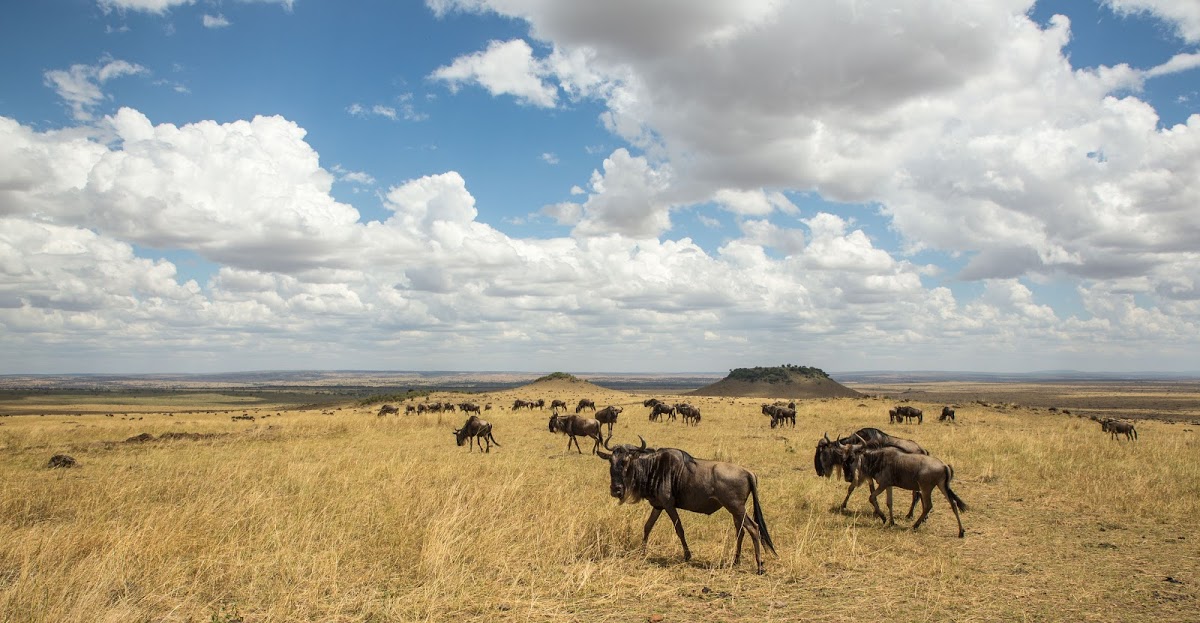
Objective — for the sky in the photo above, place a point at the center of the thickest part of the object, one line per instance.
(622, 186)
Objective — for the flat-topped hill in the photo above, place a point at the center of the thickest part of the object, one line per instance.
(785, 381)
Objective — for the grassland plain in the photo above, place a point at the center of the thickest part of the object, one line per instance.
(340, 515)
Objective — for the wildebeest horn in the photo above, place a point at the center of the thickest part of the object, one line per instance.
(643, 442)
(605, 442)
(827, 437)
(604, 455)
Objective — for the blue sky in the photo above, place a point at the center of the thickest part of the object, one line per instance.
(530, 185)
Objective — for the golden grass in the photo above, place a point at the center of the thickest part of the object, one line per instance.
(306, 516)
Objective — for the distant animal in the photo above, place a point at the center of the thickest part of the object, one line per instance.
(388, 409)
(422, 408)
(242, 417)
(409, 409)
(480, 430)
(831, 454)
(689, 413)
(889, 467)
(584, 403)
(907, 413)
(670, 479)
(541, 404)
(1117, 427)
(558, 404)
(487, 407)
(520, 404)
(469, 407)
(608, 415)
(576, 426)
(660, 409)
(947, 414)
(780, 414)
(650, 402)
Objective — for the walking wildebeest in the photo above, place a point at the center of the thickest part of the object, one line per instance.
(481, 430)
(889, 467)
(660, 410)
(386, 409)
(584, 403)
(650, 402)
(1117, 427)
(519, 404)
(831, 454)
(409, 409)
(540, 403)
(671, 479)
(608, 415)
(558, 404)
(906, 412)
(780, 414)
(469, 407)
(947, 414)
(575, 426)
(689, 413)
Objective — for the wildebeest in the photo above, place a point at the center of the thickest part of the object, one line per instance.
(558, 404)
(388, 409)
(540, 403)
(243, 416)
(409, 409)
(671, 479)
(1117, 427)
(480, 429)
(575, 426)
(584, 403)
(608, 415)
(831, 454)
(469, 407)
(520, 404)
(947, 414)
(660, 410)
(780, 414)
(889, 467)
(689, 413)
(907, 413)
(650, 402)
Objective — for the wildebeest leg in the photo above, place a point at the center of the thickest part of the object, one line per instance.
(891, 520)
(571, 438)
(674, 515)
(875, 503)
(926, 504)
(853, 485)
(596, 442)
(742, 525)
(650, 526)
(916, 496)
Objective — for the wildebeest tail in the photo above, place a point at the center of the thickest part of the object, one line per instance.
(954, 499)
(758, 516)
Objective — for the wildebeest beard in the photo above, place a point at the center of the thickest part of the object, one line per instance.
(652, 474)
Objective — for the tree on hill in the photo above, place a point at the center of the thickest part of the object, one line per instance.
(776, 374)
(558, 376)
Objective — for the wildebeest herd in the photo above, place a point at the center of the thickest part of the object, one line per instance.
(671, 479)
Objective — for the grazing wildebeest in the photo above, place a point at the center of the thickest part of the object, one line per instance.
(780, 414)
(558, 404)
(469, 407)
(689, 413)
(1117, 427)
(660, 409)
(671, 479)
(540, 403)
(409, 409)
(947, 414)
(388, 409)
(575, 426)
(480, 429)
(519, 404)
(608, 415)
(908, 413)
(831, 454)
(242, 417)
(584, 403)
(446, 406)
(487, 407)
(889, 467)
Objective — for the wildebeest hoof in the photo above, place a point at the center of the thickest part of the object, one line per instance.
(761, 571)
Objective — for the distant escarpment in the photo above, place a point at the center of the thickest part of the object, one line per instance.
(786, 381)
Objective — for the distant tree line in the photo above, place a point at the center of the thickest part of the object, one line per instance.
(775, 374)
(411, 394)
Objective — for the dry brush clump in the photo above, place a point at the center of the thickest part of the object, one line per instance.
(351, 517)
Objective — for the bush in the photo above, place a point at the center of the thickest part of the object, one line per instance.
(776, 374)
(558, 376)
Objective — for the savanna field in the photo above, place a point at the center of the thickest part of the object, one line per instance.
(334, 514)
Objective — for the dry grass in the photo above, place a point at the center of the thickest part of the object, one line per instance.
(348, 517)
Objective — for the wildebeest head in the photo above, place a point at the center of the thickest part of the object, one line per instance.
(554, 423)
(829, 455)
(460, 435)
(618, 463)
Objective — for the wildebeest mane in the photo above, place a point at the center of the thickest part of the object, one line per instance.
(652, 475)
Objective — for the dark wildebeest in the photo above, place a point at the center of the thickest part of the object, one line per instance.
(584, 403)
(650, 402)
(481, 430)
(908, 413)
(780, 414)
(660, 409)
(558, 404)
(541, 404)
(422, 408)
(469, 407)
(831, 454)
(670, 479)
(487, 407)
(608, 415)
(388, 409)
(409, 409)
(1117, 427)
(519, 404)
(947, 414)
(689, 413)
(575, 426)
(889, 467)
